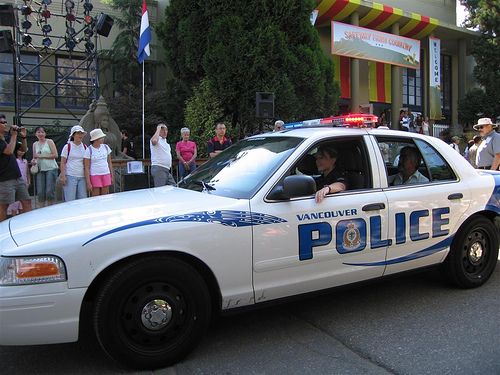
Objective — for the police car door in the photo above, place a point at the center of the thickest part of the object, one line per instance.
(321, 245)
(422, 215)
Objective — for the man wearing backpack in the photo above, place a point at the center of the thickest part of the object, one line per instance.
(72, 174)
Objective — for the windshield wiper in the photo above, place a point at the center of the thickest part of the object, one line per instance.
(206, 186)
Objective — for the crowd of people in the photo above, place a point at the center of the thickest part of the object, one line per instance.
(84, 170)
(87, 170)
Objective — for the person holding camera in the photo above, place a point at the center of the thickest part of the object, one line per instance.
(12, 186)
(161, 157)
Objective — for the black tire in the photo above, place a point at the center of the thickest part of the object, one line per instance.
(473, 254)
(152, 312)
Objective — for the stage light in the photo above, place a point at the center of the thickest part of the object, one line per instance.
(89, 47)
(88, 7)
(46, 42)
(88, 32)
(71, 44)
(27, 39)
(26, 10)
(46, 28)
(26, 24)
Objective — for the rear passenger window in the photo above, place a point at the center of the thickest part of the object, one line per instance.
(439, 169)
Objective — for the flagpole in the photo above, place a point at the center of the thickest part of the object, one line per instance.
(143, 140)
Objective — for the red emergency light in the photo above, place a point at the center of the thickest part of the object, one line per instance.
(355, 120)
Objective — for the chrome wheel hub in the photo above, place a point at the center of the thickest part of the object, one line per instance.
(476, 252)
(156, 314)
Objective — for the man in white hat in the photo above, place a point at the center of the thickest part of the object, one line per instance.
(488, 152)
(161, 157)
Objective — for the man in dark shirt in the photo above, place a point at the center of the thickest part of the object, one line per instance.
(12, 186)
(127, 145)
(218, 143)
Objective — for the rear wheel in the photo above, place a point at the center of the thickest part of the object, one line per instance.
(152, 312)
(473, 254)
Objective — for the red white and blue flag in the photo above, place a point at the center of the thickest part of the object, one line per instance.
(145, 35)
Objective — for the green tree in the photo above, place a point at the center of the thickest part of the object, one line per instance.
(484, 15)
(239, 48)
(122, 57)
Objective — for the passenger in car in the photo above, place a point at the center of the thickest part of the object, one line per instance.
(409, 160)
(331, 180)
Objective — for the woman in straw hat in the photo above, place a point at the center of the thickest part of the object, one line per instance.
(97, 161)
(72, 175)
(488, 152)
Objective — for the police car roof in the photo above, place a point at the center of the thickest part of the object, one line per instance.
(306, 132)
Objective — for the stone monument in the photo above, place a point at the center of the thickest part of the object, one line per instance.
(98, 116)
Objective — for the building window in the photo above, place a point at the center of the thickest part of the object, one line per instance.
(76, 85)
(29, 92)
(412, 88)
(446, 84)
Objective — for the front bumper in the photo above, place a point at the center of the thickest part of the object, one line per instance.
(39, 314)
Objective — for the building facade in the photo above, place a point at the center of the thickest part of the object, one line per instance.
(56, 83)
(376, 81)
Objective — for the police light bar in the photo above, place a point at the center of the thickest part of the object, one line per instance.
(360, 120)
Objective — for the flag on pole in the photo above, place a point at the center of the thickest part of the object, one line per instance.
(145, 35)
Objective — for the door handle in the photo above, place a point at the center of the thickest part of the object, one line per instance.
(374, 207)
(455, 196)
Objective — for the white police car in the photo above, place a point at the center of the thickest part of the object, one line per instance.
(155, 265)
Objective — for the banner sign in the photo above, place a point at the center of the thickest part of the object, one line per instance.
(367, 44)
(435, 79)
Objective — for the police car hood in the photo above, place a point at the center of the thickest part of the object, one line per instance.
(98, 214)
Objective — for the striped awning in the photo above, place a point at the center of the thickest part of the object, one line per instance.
(379, 17)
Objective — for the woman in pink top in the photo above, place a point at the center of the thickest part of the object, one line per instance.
(186, 154)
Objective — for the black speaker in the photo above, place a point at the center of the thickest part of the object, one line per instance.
(264, 105)
(6, 42)
(7, 15)
(104, 24)
(135, 181)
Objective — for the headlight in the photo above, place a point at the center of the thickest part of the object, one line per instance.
(31, 270)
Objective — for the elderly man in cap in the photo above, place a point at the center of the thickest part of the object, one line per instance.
(488, 152)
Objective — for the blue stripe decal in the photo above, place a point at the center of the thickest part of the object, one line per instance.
(419, 254)
(224, 217)
(494, 202)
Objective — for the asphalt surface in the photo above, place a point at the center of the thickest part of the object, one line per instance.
(413, 324)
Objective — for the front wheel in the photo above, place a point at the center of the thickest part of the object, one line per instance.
(152, 312)
(473, 254)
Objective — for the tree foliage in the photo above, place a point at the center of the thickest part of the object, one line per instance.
(123, 53)
(484, 15)
(232, 50)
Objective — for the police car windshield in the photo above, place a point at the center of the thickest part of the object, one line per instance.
(243, 168)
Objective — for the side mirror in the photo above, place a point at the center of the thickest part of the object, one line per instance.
(293, 187)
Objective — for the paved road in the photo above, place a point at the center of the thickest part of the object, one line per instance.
(414, 324)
